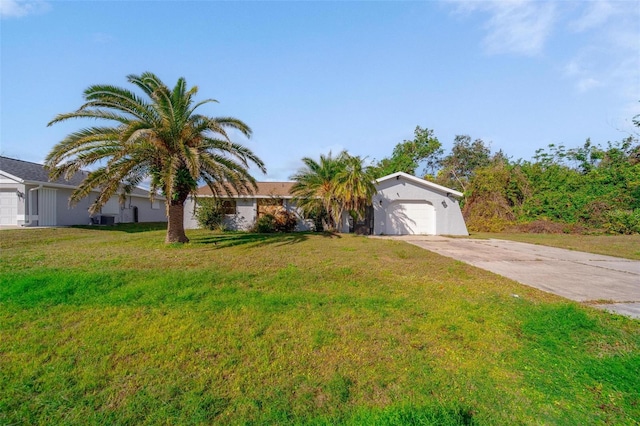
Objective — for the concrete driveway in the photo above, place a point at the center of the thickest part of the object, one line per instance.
(579, 276)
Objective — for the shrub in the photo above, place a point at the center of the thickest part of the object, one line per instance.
(623, 222)
(209, 214)
(276, 220)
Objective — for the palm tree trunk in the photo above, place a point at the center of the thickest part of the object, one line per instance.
(175, 228)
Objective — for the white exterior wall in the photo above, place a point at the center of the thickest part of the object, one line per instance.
(189, 220)
(245, 217)
(146, 210)
(449, 220)
(53, 203)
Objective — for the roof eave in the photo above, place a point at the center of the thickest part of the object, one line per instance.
(419, 181)
(12, 177)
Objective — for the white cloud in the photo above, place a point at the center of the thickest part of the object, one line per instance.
(20, 8)
(610, 58)
(595, 15)
(514, 26)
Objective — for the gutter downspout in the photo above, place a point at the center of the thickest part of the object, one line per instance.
(28, 221)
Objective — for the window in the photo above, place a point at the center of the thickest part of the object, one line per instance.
(155, 204)
(228, 206)
(269, 205)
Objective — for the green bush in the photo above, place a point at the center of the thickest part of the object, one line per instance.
(623, 222)
(209, 213)
(266, 224)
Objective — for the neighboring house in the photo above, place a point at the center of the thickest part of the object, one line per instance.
(28, 198)
(403, 204)
(242, 211)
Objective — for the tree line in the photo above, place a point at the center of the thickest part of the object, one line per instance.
(585, 188)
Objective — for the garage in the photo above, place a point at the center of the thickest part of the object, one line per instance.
(408, 205)
(410, 217)
(8, 208)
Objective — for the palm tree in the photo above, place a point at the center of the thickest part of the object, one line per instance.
(161, 138)
(334, 185)
(314, 187)
(354, 186)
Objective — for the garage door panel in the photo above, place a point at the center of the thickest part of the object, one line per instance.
(8, 208)
(410, 217)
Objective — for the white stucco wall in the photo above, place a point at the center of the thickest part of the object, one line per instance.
(78, 214)
(449, 220)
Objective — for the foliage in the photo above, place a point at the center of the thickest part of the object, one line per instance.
(623, 222)
(583, 191)
(495, 196)
(159, 136)
(407, 155)
(332, 186)
(465, 157)
(276, 219)
(249, 331)
(584, 187)
(209, 213)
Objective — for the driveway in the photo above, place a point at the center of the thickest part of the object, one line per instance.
(579, 276)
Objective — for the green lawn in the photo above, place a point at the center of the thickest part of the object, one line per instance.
(627, 246)
(110, 326)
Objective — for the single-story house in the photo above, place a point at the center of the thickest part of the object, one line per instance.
(29, 198)
(403, 204)
(243, 210)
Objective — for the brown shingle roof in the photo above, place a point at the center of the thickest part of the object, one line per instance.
(265, 190)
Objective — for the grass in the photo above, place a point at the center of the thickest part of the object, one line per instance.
(626, 246)
(110, 326)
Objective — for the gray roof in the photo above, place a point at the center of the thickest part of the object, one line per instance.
(34, 172)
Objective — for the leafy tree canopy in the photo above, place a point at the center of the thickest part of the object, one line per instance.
(409, 154)
(465, 157)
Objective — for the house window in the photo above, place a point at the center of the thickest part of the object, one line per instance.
(228, 206)
(155, 205)
(269, 205)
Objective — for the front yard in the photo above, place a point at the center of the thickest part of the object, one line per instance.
(110, 326)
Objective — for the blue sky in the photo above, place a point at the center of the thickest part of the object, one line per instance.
(310, 77)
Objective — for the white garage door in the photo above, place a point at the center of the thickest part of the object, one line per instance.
(8, 208)
(411, 217)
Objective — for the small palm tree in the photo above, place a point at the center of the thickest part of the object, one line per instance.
(354, 186)
(161, 138)
(334, 185)
(314, 187)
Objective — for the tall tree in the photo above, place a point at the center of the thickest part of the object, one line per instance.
(161, 137)
(409, 154)
(465, 157)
